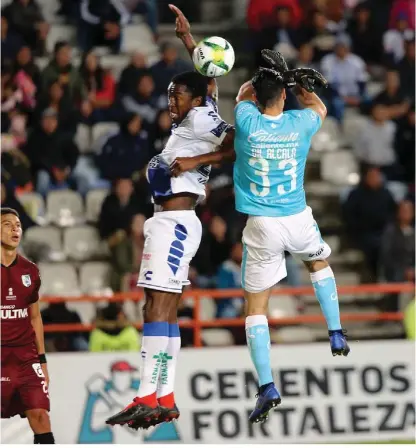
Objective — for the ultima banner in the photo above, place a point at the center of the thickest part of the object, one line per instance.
(368, 396)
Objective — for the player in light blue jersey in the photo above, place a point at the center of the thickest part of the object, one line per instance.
(271, 151)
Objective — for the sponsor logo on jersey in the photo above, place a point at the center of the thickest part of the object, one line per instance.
(148, 275)
(264, 136)
(26, 280)
(147, 256)
(316, 254)
(10, 295)
(5, 379)
(14, 314)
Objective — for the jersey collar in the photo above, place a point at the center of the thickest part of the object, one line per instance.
(270, 117)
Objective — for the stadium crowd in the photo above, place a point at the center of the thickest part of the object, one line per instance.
(352, 42)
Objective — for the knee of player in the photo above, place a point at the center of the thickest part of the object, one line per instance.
(316, 265)
(158, 307)
(41, 416)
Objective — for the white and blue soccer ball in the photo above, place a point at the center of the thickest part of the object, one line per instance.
(213, 57)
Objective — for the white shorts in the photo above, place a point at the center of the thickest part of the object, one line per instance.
(266, 239)
(171, 241)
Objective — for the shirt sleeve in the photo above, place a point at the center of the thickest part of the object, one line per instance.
(244, 113)
(37, 283)
(210, 127)
(311, 121)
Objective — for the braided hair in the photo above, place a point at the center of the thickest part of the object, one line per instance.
(268, 85)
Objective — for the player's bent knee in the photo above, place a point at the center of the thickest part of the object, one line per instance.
(39, 420)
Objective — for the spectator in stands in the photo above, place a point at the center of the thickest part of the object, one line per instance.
(229, 277)
(409, 320)
(161, 132)
(395, 103)
(58, 313)
(393, 39)
(319, 36)
(8, 199)
(305, 57)
(131, 74)
(402, 7)
(214, 249)
(397, 261)
(346, 72)
(128, 256)
(168, 66)
(16, 102)
(364, 35)
(406, 69)
(398, 248)
(281, 35)
(126, 153)
(114, 332)
(24, 62)
(60, 69)
(68, 115)
(147, 8)
(26, 19)
(374, 144)
(10, 42)
(101, 24)
(52, 154)
(335, 11)
(259, 12)
(145, 102)
(100, 86)
(367, 211)
(117, 214)
(405, 145)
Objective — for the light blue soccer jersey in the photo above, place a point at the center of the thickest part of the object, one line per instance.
(271, 157)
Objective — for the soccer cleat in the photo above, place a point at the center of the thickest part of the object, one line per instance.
(134, 411)
(166, 415)
(266, 400)
(338, 341)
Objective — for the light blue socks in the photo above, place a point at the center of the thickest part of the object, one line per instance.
(258, 341)
(325, 288)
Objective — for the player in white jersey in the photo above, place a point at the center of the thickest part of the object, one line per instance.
(172, 237)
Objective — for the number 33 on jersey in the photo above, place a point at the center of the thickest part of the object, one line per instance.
(271, 158)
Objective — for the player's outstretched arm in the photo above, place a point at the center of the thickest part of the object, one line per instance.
(183, 32)
(37, 324)
(224, 154)
(183, 29)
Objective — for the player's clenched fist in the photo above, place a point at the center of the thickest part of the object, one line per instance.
(182, 25)
(182, 165)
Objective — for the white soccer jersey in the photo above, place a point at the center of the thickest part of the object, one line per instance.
(199, 133)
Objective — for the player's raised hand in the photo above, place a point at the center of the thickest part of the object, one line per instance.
(308, 78)
(275, 60)
(182, 165)
(182, 24)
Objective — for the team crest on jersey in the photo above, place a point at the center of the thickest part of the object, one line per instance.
(26, 280)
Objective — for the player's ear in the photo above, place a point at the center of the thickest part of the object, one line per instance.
(196, 102)
(284, 94)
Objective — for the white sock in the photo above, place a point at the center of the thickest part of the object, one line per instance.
(166, 383)
(154, 351)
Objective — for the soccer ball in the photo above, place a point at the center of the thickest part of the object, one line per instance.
(213, 57)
